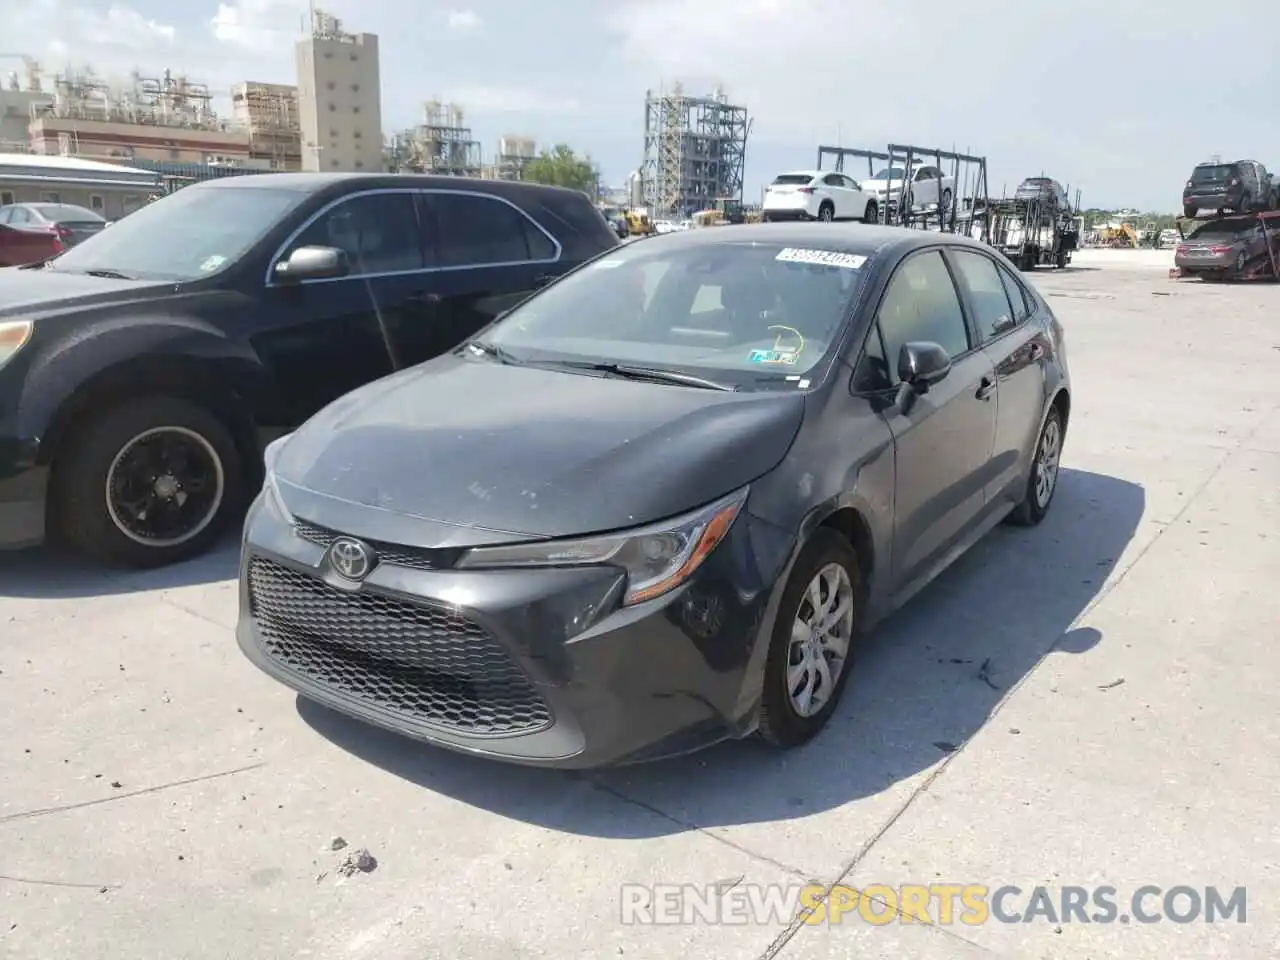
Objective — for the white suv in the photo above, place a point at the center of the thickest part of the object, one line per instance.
(818, 195)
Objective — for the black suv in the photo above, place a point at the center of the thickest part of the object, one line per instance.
(143, 371)
(1240, 186)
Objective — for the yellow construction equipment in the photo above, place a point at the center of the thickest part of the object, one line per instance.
(1118, 236)
(639, 224)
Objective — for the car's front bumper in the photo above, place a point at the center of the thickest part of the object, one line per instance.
(23, 484)
(537, 666)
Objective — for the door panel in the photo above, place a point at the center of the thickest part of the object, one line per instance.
(324, 338)
(1016, 348)
(944, 439)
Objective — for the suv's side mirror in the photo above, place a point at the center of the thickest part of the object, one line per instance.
(921, 364)
(313, 263)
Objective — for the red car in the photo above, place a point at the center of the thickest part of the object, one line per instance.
(30, 232)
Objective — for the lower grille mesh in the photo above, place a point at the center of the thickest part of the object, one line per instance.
(430, 666)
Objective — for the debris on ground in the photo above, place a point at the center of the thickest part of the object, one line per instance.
(337, 843)
(358, 861)
(984, 675)
(1112, 685)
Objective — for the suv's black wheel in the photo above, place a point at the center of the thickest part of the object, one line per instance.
(1042, 483)
(811, 651)
(826, 212)
(872, 213)
(148, 483)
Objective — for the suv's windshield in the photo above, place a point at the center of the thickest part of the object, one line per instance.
(1213, 174)
(889, 173)
(741, 313)
(188, 235)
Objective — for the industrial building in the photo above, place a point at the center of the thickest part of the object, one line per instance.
(269, 113)
(695, 151)
(340, 99)
(109, 189)
(18, 102)
(442, 144)
(514, 154)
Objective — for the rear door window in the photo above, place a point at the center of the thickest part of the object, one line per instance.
(478, 231)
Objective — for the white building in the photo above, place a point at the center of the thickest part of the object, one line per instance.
(339, 99)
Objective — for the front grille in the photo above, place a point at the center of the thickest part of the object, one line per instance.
(428, 665)
(387, 553)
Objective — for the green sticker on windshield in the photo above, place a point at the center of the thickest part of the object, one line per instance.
(787, 357)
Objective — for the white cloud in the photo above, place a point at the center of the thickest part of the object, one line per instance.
(264, 27)
(511, 100)
(464, 20)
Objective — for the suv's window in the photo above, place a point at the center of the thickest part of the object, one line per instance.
(1017, 295)
(1213, 173)
(993, 312)
(849, 183)
(476, 231)
(377, 231)
(833, 180)
(792, 179)
(921, 304)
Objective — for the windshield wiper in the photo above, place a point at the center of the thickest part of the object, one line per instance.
(108, 274)
(494, 351)
(654, 374)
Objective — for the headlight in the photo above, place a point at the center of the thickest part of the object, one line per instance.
(269, 457)
(13, 336)
(657, 558)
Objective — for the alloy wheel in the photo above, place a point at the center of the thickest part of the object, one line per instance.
(1047, 462)
(820, 637)
(165, 486)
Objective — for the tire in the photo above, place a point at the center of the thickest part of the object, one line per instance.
(826, 212)
(945, 203)
(1246, 204)
(782, 724)
(1240, 261)
(1035, 502)
(871, 213)
(102, 453)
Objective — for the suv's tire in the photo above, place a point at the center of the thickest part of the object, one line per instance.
(871, 214)
(827, 211)
(1042, 482)
(828, 558)
(110, 476)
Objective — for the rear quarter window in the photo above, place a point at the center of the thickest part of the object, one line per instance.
(580, 228)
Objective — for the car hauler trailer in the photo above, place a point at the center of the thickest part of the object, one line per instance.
(1259, 258)
(1031, 234)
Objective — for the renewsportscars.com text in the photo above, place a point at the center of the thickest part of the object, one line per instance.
(936, 904)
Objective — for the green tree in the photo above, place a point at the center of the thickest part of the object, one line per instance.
(561, 167)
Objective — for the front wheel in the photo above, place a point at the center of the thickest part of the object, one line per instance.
(811, 650)
(148, 483)
(872, 213)
(1042, 483)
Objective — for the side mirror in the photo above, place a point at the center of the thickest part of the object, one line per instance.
(313, 263)
(922, 364)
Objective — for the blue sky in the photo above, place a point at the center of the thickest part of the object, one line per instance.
(1117, 97)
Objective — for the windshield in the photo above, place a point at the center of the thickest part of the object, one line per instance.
(889, 173)
(1213, 174)
(792, 179)
(743, 313)
(188, 235)
(66, 213)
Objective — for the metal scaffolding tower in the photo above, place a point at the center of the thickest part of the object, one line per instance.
(695, 151)
(442, 144)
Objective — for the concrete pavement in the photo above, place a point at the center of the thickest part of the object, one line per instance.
(1078, 704)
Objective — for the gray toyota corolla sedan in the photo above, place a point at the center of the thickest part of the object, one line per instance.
(655, 505)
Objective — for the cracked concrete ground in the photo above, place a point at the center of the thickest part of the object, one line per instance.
(159, 798)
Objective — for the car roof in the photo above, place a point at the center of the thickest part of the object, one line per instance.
(858, 238)
(806, 173)
(315, 183)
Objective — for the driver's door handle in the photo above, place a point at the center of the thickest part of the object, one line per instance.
(986, 388)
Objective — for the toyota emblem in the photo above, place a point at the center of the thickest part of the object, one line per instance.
(350, 559)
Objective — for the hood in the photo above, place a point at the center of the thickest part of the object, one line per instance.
(26, 292)
(460, 452)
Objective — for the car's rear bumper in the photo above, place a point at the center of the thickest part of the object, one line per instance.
(787, 214)
(1218, 200)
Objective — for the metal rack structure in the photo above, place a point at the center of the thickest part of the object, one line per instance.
(1032, 233)
(695, 151)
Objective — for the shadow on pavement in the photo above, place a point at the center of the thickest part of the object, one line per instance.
(928, 680)
(55, 575)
